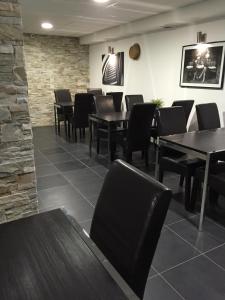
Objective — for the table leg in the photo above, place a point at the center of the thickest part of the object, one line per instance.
(157, 160)
(204, 193)
(90, 138)
(55, 120)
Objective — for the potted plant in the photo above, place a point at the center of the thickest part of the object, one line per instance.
(159, 102)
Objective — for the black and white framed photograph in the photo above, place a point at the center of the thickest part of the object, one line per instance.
(202, 65)
(113, 69)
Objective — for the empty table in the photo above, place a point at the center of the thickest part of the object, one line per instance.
(47, 257)
(206, 145)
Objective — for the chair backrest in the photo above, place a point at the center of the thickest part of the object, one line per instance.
(133, 99)
(62, 96)
(84, 105)
(117, 99)
(140, 122)
(208, 116)
(127, 222)
(171, 120)
(95, 91)
(187, 106)
(104, 104)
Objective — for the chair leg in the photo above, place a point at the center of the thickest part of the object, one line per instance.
(80, 133)
(194, 193)
(129, 156)
(181, 180)
(58, 127)
(213, 197)
(83, 132)
(187, 197)
(98, 144)
(161, 175)
(146, 158)
(75, 134)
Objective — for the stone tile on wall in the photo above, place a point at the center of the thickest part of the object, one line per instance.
(17, 171)
(53, 62)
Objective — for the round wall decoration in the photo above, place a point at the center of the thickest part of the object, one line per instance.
(135, 51)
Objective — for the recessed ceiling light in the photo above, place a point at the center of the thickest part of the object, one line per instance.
(46, 25)
(101, 1)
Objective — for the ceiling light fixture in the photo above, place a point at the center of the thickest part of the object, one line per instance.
(46, 25)
(101, 1)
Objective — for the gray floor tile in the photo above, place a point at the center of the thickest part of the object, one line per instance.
(52, 150)
(211, 236)
(69, 165)
(68, 198)
(41, 160)
(50, 181)
(80, 177)
(171, 250)
(218, 256)
(172, 217)
(45, 170)
(59, 157)
(101, 170)
(198, 279)
(158, 289)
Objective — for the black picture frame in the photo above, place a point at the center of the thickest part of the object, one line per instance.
(202, 65)
(113, 69)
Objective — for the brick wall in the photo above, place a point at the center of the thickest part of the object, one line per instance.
(53, 62)
(17, 177)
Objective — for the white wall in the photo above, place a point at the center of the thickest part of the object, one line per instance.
(157, 73)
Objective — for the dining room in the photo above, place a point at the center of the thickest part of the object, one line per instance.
(112, 147)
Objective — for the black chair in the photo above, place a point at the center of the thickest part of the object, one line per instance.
(171, 120)
(95, 91)
(127, 222)
(104, 105)
(117, 100)
(208, 116)
(62, 96)
(133, 99)
(216, 183)
(84, 105)
(187, 106)
(137, 136)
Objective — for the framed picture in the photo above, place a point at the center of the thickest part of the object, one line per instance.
(202, 66)
(113, 69)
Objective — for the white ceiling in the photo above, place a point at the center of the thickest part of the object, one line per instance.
(81, 17)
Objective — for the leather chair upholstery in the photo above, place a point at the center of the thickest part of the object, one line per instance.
(127, 222)
(133, 99)
(208, 116)
(187, 106)
(117, 100)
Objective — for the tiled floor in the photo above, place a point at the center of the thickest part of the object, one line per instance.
(187, 264)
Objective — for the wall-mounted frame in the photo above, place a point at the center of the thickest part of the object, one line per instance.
(113, 69)
(202, 65)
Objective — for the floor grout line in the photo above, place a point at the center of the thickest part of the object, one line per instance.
(168, 283)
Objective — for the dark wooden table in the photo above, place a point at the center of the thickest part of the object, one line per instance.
(109, 120)
(48, 257)
(207, 145)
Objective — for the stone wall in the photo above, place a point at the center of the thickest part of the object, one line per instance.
(53, 62)
(17, 177)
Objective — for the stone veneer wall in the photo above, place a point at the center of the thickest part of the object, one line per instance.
(17, 177)
(53, 62)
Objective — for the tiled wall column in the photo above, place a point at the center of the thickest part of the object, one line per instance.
(17, 177)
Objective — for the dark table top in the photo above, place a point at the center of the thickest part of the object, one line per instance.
(43, 257)
(111, 117)
(205, 141)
